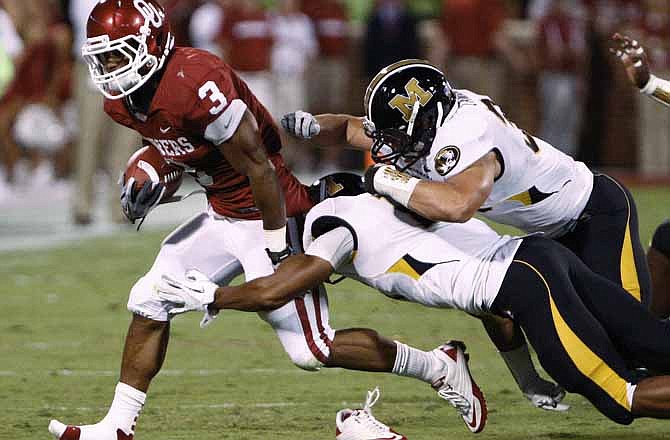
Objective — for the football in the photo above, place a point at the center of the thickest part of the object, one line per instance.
(147, 164)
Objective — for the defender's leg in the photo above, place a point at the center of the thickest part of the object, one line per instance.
(607, 239)
(571, 339)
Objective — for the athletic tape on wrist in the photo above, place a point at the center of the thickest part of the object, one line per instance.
(275, 239)
(651, 85)
(392, 183)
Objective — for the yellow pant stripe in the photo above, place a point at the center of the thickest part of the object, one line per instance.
(586, 361)
(629, 280)
(402, 266)
(627, 266)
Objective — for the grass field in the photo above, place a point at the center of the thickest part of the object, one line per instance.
(63, 322)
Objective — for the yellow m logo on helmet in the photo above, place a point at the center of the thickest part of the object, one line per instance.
(406, 103)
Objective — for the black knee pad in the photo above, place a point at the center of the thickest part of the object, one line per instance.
(661, 240)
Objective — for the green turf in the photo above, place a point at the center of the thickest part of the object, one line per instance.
(63, 322)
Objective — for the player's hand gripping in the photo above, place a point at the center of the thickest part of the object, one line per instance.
(137, 204)
(633, 58)
(301, 125)
(194, 292)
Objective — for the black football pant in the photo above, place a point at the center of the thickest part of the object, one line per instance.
(576, 319)
(607, 238)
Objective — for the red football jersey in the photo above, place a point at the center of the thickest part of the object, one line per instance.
(197, 107)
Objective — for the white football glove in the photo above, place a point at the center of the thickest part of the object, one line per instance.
(301, 124)
(195, 292)
(546, 395)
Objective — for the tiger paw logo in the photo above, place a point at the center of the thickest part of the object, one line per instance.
(446, 159)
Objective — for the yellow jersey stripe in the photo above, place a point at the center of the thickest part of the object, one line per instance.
(402, 266)
(586, 361)
(523, 197)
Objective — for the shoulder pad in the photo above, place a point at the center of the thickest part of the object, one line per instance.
(466, 126)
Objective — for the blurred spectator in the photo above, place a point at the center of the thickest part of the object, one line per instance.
(472, 31)
(391, 35)
(246, 42)
(329, 76)
(329, 79)
(31, 111)
(294, 48)
(206, 23)
(101, 141)
(538, 9)
(608, 136)
(561, 53)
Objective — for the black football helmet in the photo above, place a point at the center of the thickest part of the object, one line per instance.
(402, 106)
(335, 185)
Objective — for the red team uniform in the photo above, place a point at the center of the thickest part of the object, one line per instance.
(198, 105)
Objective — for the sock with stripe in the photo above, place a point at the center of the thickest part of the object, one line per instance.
(422, 365)
(118, 424)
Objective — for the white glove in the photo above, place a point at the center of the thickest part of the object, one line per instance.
(546, 395)
(301, 124)
(195, 292)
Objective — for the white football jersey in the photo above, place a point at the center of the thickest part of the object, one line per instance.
(460, 266)
(539, 189)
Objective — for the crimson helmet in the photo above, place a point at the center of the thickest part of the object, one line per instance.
(135, 31)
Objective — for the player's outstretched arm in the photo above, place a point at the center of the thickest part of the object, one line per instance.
(244, 151)
(327, 130)
(194, 291)
(634, 59)
(456, 200)
(293, 278)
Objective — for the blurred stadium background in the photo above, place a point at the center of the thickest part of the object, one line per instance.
(546, 62)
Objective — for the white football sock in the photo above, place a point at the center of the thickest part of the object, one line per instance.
(125, 408)
(422, 365)
(122, 414)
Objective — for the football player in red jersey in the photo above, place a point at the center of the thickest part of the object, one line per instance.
(201, 116)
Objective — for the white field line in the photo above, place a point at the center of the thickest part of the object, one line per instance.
(165, 372)
(230, 405)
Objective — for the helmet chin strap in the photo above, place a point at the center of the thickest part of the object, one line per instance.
(412, 119)
(440, 112)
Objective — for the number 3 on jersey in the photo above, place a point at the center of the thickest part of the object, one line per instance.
(218, 99)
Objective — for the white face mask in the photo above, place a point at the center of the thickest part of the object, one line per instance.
(123, 83)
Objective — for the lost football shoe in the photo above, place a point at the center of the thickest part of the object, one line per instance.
(458, 387)
(360, 424)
